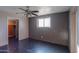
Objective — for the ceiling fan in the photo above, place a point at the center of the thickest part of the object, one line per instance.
(28, 12)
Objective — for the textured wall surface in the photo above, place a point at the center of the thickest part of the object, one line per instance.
(57, 33)
(78, 24)
(73, 30)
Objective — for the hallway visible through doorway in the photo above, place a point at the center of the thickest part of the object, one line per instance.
(13, 35)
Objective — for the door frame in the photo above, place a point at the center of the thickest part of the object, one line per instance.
(12, 18)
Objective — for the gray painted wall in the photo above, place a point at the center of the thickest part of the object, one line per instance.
(57, 33)
(78, 24)
(73, 30)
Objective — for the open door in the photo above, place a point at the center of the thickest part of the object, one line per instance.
(13, 35)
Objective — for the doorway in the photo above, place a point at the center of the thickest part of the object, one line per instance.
(13, 39)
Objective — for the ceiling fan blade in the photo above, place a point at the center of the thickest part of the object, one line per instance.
(34, 14)
(27, 11)
(27, 7)
(35, 11)
(22, 9)
(20, 13)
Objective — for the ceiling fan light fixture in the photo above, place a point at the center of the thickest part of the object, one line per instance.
(28, 12)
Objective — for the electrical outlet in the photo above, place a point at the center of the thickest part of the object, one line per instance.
(41, 37)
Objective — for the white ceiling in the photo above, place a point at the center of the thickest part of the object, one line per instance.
(42, 9)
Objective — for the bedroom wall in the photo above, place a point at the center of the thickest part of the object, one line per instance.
(3, 31)
(23, 27)
(77, 17)
(73, 30)
(57, 33)
(78, 25)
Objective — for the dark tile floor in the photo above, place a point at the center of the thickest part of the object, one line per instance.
(35, 46)
(4, 49)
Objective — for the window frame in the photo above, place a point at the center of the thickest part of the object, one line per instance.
(44, 22)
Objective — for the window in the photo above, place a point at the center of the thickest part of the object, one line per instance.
(45, 22)
(40, 23)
